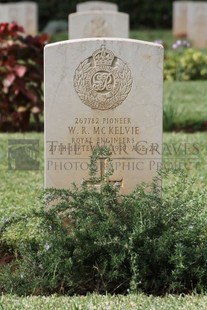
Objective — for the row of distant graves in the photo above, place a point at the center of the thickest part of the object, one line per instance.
(190, 21)
(102, 19)
(92, 19)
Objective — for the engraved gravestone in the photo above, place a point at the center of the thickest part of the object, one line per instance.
(97, 6)
(180, 13)
(197, 24)
(98, 24)
(23, 13)
(103, 92)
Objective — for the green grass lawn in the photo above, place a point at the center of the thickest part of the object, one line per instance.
(189, 102)
(98, 302)
(19, 190)
(153, 35)
(144, 35)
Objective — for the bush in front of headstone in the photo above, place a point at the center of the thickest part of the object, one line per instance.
(78, 243)
(93, 240)
(78, 246)
(21, 77)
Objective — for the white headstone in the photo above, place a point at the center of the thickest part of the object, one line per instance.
(180, 9)
(3, 13)
(96, 5)
(98, 24)
(197, 24)
(24, 14)
(103, 92)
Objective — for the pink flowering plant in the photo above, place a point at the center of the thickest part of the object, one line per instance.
(21, 77)
(181, 44)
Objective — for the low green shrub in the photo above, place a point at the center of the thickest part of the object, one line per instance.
(92, 239)
(185, 64)
(21, 77)
(169, 238)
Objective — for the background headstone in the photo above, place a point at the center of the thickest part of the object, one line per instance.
(24, 14)
(103, 92)
(180, 9)
(98, 24)
(56, 26)
(96, 5)
(3, 13)
(197, 24)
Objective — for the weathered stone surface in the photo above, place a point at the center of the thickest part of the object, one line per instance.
(103, 92)
(197, 24)
(180, 13)
(98, 24)
(24, 14)
(97, 6)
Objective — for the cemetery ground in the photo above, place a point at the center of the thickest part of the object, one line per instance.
(19, 194)
(185, 108)
(98, 302)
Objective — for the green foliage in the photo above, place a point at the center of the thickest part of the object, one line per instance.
(185, 64)
(38, 256)
(148, 13)
(169, 239)
(79, 246)
(91, 239)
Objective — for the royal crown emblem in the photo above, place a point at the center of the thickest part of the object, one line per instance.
(103, 81)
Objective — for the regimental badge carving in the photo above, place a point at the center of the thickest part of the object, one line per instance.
(103, 81)
(98, 27)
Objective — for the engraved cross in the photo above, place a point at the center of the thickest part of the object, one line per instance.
(103, 169)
